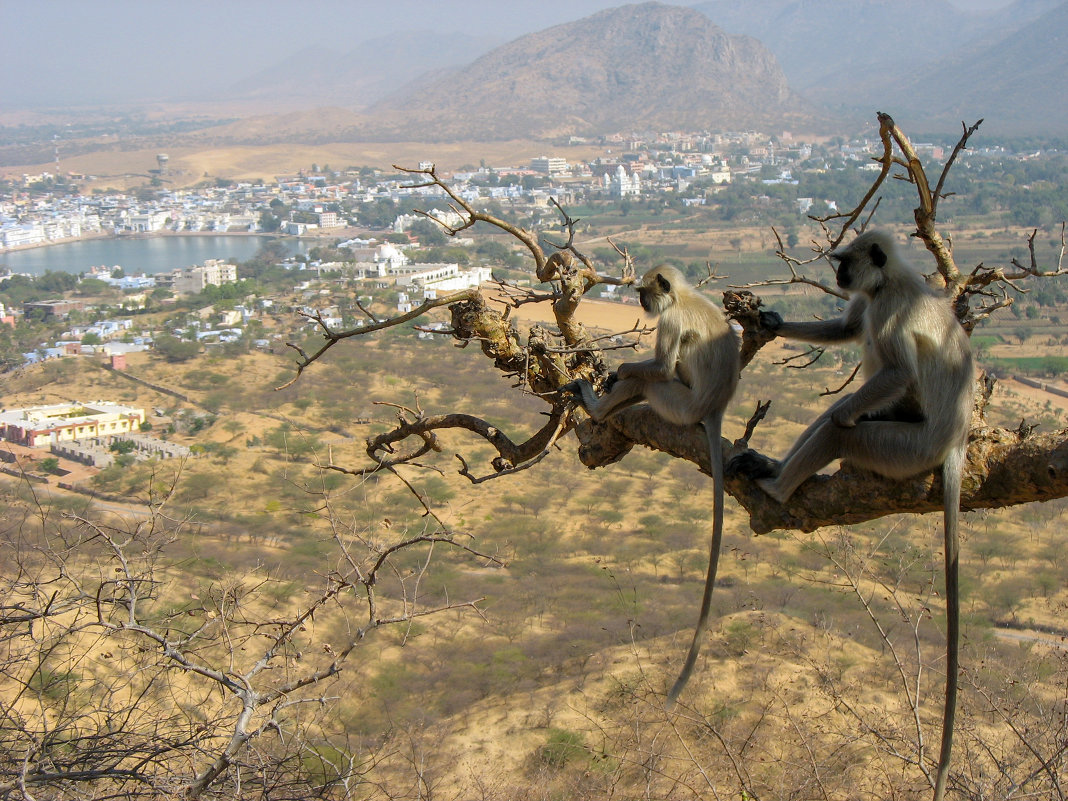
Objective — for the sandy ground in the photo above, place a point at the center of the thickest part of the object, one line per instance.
(1012, 387)
(28, 458)
(599, 314)
(190, 165)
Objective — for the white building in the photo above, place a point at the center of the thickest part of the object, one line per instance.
(450, 218)
(720, 174)
(549, 165)
(329, 219)
(387, 258)
(14, 236)
(435, 278)
(298, 228)
(148, 221)
(213, 272)
(623, 185)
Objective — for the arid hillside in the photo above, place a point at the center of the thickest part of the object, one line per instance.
(633, 68)
(584, 616)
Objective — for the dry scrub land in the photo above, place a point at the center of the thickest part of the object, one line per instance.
(551, 690)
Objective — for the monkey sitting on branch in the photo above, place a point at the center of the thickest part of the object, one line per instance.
(911, 414)
(915, 407)
(690, 379)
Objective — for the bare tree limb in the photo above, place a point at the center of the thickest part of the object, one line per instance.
(333, 337)
(551, 357)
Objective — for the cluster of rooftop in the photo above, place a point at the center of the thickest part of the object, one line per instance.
(325, 199)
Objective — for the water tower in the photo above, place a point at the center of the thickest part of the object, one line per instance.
(161, 160)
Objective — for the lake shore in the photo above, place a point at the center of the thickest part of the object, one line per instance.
(333, 233)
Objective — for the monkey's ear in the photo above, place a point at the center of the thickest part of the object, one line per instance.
(878, 257)
(663, 283)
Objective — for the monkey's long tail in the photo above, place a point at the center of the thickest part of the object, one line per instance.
(712, 428)
(952, 470)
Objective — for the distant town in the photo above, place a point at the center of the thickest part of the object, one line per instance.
(689, 167)
(374, 243)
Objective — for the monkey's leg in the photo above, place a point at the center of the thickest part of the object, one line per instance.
(766, 471)
(676, 402)
(813, 427)
(817, 448)
(624, 392)
(895, 450)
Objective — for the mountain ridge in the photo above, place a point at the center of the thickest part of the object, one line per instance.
(635, 67)
(923, 59)
(1018, 85)
(356, 78)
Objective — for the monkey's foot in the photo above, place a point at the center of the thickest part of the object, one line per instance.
(581, 390)
(751, 465)
(771, 487)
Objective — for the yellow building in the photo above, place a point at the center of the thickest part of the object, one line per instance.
(41, 426)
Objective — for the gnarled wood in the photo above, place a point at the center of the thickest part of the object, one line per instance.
(1004, 468)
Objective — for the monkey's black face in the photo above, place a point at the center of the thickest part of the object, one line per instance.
(860, 269)
(645, 299)
(842, 269)
(653, 301)
(654, 292)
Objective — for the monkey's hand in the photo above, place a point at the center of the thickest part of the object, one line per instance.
(770, 321)
(843, 419)
(610, 382)
(572, 388)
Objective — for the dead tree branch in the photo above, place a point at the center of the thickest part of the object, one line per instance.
(333, 337)
(549, 357)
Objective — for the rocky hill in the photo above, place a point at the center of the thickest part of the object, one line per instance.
(637, 67)
(922, 60)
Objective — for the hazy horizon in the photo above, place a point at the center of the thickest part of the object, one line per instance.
(66, 53)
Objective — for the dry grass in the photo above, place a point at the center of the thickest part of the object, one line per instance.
(591, 619)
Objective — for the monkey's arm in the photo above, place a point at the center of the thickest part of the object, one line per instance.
(895, 379)
(841, 329)
(662, 367)
(648, 370)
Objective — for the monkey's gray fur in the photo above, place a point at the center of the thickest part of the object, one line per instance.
(690, 379)
(911, 414)
(915, 405)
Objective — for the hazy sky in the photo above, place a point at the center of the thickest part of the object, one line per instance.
(75, 52)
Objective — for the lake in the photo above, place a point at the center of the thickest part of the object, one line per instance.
(138, 255)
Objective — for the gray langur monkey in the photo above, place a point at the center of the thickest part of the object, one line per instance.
(690, 379)
(911, 414)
